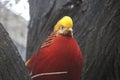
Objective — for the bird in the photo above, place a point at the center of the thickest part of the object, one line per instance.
(59, 57)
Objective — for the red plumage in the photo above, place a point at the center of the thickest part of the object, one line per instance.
(63, 56)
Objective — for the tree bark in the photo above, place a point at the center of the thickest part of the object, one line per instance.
(11, 64)
(96, 28)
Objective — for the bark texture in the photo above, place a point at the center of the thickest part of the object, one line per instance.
(11, 64)
(96, 28)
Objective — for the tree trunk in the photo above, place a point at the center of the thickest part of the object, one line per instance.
(96, 28)
(11, 64)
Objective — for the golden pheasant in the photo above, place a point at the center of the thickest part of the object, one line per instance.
(59, 57)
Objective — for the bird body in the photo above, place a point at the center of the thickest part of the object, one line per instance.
(59, 58)
(63, 55)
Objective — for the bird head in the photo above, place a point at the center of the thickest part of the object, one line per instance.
(64, 26)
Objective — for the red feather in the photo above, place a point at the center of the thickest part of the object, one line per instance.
(61, 60)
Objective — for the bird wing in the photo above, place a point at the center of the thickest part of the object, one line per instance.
(49, 40)
(46, 43)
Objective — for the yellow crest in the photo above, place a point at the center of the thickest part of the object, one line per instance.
(66, 22)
